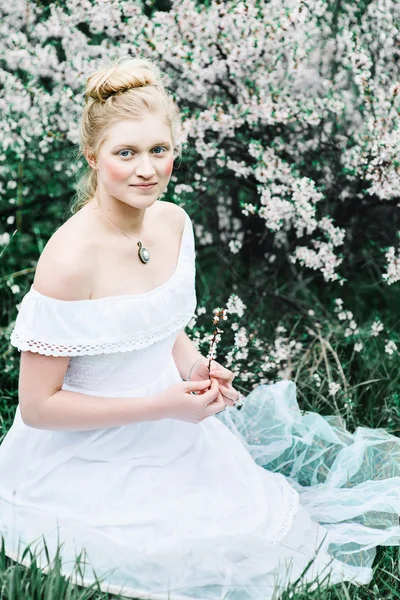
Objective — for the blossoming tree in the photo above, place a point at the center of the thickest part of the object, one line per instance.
(266, 89)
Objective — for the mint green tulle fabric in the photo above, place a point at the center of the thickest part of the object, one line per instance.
(348, 482)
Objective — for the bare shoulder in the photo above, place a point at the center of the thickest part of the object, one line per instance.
(65, 266)
(175, 216)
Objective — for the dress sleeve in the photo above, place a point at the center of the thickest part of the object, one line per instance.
(53, 327)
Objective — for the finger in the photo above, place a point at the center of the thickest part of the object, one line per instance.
(196, 386)
(216, 407)
(220, 398)
(228, 401)
(228, 390)
(225, 375)
(210, 395)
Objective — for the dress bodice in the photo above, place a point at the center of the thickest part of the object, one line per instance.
(117, 344)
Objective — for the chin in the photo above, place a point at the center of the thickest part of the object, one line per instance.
(139, 200)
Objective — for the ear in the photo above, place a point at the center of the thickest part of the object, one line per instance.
(90, 159)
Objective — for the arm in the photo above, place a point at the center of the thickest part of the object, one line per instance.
(44, 405)
(186, 354)
(74, 411)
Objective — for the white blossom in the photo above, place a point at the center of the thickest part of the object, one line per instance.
(376, 328)
(390, 347)
(392, 274)
(4, 238)
(235, 246)
(235, 305)
(333, 388)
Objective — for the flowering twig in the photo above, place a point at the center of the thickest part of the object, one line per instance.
(219, 313)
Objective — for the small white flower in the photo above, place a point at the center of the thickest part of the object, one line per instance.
(376, 328)
(10, 219)
(333, 388)
(280, 329)
(235, 246)
(349, 403)
(358, 346)
(342, 316)
(15, 289)
(267, 366)
(390, 347)
(311, 312)
(317, 378)
(248, 209)
(192, 322)
(235, 305)
(4, 238)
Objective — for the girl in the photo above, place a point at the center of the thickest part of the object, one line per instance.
(122, 449)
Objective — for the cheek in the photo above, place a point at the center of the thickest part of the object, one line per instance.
(168, 166)
(116, 170)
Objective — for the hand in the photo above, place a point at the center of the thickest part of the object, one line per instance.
(228, 394)
(190, 401)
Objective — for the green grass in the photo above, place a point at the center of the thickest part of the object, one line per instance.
(18, 582)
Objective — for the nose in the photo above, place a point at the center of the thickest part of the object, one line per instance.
(145, 167)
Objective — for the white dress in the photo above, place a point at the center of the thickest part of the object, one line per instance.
(174, 510)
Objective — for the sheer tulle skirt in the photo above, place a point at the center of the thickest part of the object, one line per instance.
(348, 482)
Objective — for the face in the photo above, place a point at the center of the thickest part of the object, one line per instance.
(135, 152)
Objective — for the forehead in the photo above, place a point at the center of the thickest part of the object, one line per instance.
(144, 132)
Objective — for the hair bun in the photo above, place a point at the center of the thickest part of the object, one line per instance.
(120, 77)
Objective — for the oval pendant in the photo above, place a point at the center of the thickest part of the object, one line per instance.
(144, 254)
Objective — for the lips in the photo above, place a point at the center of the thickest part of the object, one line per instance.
(144, 184)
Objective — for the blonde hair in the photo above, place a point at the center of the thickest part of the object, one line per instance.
(126, 89)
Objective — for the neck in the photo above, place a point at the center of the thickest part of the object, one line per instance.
(123, 216)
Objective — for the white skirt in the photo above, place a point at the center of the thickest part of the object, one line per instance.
(236, 507)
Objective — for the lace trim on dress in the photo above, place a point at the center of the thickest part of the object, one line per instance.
(57, 349)
(293, 503)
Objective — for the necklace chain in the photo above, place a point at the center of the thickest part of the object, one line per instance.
(143, 253)
(130, 237)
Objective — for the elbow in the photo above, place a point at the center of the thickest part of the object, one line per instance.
(27, 416)
(27, 419)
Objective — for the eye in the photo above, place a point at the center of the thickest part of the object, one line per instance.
(124, 156)
(121, 152)
(162, 147)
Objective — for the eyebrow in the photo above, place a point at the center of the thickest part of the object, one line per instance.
(133, 146)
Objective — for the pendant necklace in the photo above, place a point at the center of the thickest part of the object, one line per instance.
(143, 253)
